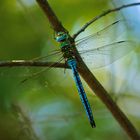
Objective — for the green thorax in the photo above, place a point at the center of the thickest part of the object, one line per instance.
(65, 45)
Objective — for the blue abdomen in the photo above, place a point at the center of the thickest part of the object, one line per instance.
(82, 94)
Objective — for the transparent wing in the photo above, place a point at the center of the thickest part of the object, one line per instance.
(29, 73)
(115, 31)
(107, 54)
(55, 56)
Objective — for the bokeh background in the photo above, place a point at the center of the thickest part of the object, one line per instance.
(47, 105)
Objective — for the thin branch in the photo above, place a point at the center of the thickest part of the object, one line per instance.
(21, 63)
(54, 22)
(102, 15)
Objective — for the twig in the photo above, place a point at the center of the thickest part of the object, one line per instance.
(54, 22)
(30, 63)
(103, 14)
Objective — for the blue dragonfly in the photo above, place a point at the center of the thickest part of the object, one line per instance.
(95, 49)
(68, 53)
(118, 49)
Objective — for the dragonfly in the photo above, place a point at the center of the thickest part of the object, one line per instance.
(94, 49)
(120, 48)
(68, 53)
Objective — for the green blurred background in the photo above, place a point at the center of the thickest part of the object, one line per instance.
(47, 106)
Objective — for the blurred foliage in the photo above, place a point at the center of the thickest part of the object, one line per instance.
(47, 104)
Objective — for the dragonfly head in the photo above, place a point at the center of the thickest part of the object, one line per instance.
(61, 36)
